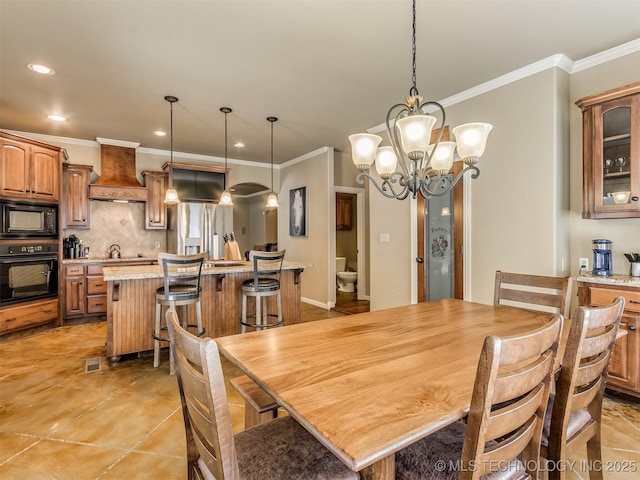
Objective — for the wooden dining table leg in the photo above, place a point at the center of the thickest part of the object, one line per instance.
(384, 469)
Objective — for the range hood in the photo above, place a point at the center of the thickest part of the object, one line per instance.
(118, 181)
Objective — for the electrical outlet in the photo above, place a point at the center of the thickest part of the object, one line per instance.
(584, 264)
(157, 244)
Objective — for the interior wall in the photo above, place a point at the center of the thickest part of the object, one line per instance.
(514, 213)
(315, 171)
(623, 232)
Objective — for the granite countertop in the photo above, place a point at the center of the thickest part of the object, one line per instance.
(115, 261)
(137, 272)
(620, 280)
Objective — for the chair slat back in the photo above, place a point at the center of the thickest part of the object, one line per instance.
(584, 370)
(509, 400)
(181, 269)
(266, 264)
(203, 396)
(533, 292)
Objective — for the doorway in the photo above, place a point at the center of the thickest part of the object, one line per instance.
(349, 238)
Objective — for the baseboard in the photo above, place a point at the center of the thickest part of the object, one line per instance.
(315, 303)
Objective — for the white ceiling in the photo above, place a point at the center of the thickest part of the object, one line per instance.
(326, 68)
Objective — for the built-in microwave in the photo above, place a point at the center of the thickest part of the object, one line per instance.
(28, 220)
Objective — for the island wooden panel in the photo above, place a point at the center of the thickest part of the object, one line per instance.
(131, 308)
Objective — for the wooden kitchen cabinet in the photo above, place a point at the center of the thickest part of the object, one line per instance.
(75, 202)
(624, 369)
(155, 209)
(16, 318)
(74, 291)
(343, 211)
(29, 170)
(611, 152)
(85, 291)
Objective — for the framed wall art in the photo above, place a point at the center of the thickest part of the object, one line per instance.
(298, 212)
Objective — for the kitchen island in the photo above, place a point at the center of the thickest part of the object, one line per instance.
(131, 302)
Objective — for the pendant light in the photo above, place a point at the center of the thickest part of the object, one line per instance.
(171, 195)
(225, 197)
(272, 199)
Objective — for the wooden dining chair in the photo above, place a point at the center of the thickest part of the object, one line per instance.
(574, 412)
(504, 426)
(533, 292)
(280, 448)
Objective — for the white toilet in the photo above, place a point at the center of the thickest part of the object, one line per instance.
(345, 280)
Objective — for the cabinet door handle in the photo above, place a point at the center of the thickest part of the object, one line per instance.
(12, 319)
(635, 198)
(632, 328)
(634, 301)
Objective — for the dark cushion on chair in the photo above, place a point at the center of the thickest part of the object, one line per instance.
(577, 420)
(437, 457)
(264, 285)
(277, 449)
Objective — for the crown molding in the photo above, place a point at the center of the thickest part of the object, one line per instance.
(554, 61)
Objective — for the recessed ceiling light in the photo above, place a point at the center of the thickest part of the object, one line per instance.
(57, 118)
(160, 133)
(238, 145)
(43, 69)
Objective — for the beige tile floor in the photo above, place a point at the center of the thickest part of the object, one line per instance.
(58, 422)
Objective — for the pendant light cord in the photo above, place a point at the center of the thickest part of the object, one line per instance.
(414, 90)
(225, 142)
(271, 157)
(171, 129)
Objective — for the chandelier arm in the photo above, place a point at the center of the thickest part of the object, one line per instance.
(393, 135)
(385, 183)
(427, 193)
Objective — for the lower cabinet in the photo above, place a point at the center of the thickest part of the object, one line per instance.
(624, 369)
(16, 318)
(85, 291)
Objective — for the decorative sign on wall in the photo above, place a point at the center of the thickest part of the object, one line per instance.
(298, 212)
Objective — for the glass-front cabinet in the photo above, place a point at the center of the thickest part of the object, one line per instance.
(611, 153)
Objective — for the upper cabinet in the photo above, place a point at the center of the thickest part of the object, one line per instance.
(29, 170)
(155, 209)
(611, 153)
(343, 211)
(75, 203)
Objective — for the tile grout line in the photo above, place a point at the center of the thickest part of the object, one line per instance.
(133, 448)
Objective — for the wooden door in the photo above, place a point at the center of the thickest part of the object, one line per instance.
(14, 169)
(45, 174)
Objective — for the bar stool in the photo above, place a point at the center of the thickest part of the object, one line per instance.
(181, 288)
(265, 283)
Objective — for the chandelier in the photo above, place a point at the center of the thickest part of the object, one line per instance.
(423, 165)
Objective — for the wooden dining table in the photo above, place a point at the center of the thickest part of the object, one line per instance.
(368, 385)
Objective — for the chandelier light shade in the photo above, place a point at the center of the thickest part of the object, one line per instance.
(413, 165)
(171, 195)
(225, 197)
(272, 198)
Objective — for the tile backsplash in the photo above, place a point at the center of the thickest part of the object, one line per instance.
(121, 224)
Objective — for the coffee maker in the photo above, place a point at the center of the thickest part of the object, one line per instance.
(601, 257)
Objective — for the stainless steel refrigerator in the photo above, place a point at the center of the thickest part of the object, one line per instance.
(198, 227)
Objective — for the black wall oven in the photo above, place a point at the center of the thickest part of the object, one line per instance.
(28, 220)
(28, 272)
